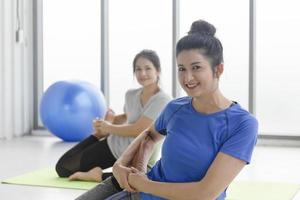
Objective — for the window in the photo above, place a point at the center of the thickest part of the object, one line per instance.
(278, 83)
(71, 49)
(71, 41)
(135, 25)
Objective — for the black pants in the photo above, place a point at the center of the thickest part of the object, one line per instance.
(84, 156)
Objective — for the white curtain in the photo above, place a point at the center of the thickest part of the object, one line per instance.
(16, 68)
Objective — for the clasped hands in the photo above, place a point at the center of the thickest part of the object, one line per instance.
(130, 178)
(102, 127)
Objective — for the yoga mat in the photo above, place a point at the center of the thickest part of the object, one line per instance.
(48, 178)
(238, 190)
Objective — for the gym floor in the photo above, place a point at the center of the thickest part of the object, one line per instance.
(25, 154)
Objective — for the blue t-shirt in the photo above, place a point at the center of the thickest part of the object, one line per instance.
(194, 139)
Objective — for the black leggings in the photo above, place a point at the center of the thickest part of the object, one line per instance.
(84, 156)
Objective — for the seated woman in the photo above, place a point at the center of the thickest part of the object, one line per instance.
(208, 137)
(86, 160)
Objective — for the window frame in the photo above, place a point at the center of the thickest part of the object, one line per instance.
(38, 59)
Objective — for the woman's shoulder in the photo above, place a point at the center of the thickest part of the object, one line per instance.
(133, 92)
(238, 111)
(238, 116)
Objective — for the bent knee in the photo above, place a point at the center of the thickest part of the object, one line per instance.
(62, 171)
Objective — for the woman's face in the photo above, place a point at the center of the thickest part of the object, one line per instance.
(195, 73)
(145, 72)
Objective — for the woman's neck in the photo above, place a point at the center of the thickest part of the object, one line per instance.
(150, 90)
(211, 103)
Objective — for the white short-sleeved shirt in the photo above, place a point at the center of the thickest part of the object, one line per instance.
(134, 110)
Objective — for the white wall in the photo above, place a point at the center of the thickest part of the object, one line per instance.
(16, 69)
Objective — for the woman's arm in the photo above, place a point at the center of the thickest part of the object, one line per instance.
(110, 117)
(137, 154)
(146, 139)
(129, 130)
(219, 175)
(119, 119)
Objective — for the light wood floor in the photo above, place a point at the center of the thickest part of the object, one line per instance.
(21, 155)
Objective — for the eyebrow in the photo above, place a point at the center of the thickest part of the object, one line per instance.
(193, 63)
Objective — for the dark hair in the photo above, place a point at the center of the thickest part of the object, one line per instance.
(149, 55)
(202, 36)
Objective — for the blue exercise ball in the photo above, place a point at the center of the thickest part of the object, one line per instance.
(68, 108)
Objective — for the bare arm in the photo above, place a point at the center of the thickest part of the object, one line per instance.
(129, 130)
(137, 154)
(110, 117)
(148, 137)
(220, 174)
(119, 119)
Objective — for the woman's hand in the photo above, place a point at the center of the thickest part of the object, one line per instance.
(98, 132)
(137, 179)
(103, 126)
(100, 126)
(121, 174)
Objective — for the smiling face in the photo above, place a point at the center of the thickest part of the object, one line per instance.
(195, 73)
(145, 72)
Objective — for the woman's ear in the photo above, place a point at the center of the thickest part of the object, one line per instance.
(219, 70)
(158, 75)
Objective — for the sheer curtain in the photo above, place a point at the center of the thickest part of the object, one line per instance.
(16, 68)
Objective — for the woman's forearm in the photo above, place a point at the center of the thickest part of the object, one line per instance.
(128, 130)
(219, 175)
(128, 155)
(143, 154)
(187, 191)
(119, 119)
(140, 150)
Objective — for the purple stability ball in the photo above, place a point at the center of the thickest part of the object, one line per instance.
(68, 108)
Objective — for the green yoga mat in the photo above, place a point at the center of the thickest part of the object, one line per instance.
(240, 190)
(48, 178)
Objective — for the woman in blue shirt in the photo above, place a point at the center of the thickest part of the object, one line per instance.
(208, 138)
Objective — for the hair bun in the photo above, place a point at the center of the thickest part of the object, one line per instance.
(202, 27)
